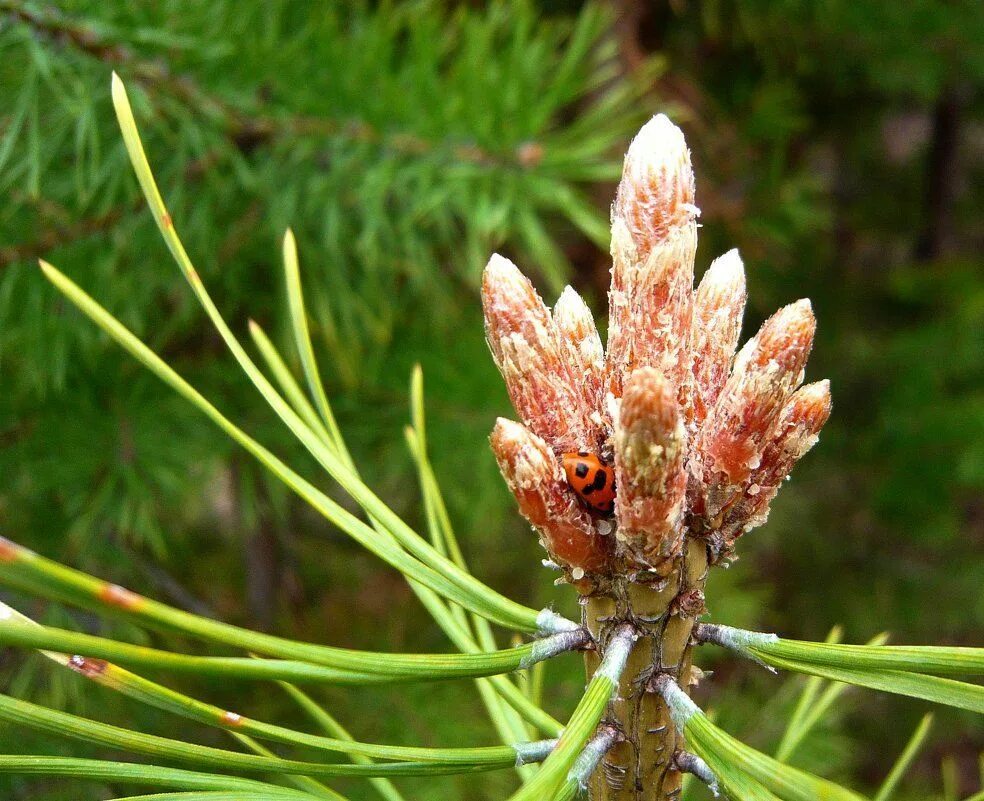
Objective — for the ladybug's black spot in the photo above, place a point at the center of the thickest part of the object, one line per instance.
(584, 453)
(600, 479)
(581, 470)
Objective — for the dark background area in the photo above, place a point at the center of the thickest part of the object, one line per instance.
(839, 145)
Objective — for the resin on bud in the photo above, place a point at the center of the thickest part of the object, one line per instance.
(718, 307)
(534, 476)
(742, 421)
(654, 240)
(650, 454)
(527, 349)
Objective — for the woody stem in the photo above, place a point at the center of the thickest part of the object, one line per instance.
(640, 766)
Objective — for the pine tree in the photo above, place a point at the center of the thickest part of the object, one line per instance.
(100, 453)
(701, 439)
(402, 142)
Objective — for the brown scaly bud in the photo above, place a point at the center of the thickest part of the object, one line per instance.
(533, 474)
(798, 430)
(654, 240)
(765, 373)
(582, 349)
(718, 307)
(650, 451)
(527, 349)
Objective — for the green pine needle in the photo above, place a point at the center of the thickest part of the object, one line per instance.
(900, 669)
(903, 763)
(133, 773)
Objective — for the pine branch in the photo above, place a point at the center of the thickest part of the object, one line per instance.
(247, 131)
(54, 237)
(396, 193)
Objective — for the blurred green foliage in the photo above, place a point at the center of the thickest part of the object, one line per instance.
(837, 144)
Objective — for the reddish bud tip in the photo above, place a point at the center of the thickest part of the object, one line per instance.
(533, 474)
(796, 433)
(765, 373)
(785, 338)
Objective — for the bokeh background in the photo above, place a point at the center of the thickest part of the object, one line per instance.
(839, 145)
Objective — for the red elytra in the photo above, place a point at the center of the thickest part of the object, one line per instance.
(592, 479)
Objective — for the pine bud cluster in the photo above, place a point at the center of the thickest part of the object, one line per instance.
(696, 435)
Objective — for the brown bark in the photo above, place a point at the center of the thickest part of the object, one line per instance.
(263, 578)
(639, 767)
(942, 176)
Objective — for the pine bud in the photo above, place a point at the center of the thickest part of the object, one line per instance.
(581, 347)
(656, 192)
(799, 427)
(765, 373)
(718, 307)
(654, 240)
(527, 349)
(534, 476)
(701, 437)
(798, 430)
(650, 451)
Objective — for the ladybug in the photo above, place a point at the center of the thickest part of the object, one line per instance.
(592, 479)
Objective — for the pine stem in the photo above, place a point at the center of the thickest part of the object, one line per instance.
(640, 766)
